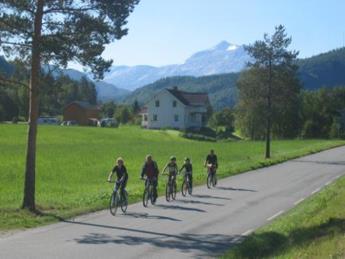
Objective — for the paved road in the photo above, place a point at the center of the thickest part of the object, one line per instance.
(199, 226)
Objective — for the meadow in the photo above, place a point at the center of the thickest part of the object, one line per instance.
(73, 164)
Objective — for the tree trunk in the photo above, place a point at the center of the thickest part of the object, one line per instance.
(29, 185)
(269, 114)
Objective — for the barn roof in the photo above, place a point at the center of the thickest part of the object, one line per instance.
(84, 105)
(189, 98)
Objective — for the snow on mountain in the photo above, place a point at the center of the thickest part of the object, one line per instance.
(222, 58)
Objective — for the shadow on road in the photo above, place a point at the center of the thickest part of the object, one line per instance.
(204, 245)
(177, 207)
(206, 196)
(199, 202)
(235, 189)
(148, 216)
(342, 163)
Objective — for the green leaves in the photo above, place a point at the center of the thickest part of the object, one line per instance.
(71, 30)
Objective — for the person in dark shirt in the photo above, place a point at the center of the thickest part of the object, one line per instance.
(211, 162)
(151, 171)
(121, 174)
(188, 170)
(211, 159)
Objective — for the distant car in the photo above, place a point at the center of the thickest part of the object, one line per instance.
(107, 122)
(48, 120)
(69, 123)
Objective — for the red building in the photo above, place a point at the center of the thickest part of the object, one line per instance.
(81, 112)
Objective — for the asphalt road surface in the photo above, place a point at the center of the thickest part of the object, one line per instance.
(198, 226)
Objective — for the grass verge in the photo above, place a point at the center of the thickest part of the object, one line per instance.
(313, 229)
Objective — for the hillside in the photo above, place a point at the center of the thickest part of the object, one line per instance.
(105, 91)
(324, 70)
(221, 88)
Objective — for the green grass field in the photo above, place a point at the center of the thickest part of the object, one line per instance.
(314, 229)
(73, 164)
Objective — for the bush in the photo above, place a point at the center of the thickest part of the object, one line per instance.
(195, 136)
(205, 131)
(335, 130)
(310, 130)
(15, 120)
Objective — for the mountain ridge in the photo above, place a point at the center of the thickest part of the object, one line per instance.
(222, 58)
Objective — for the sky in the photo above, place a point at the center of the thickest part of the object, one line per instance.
(165, 32)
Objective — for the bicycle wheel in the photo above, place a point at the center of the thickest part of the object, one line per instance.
(167, 192)
(184, 188)
(173, 191)
(214, 180)
(124, 203)
(146, 197)
(114, 203)
(209, 180)
(153, 198)
(190, 188)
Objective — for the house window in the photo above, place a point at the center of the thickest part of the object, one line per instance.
(176, 117)
(193, 117)
(174, 103)
(145, 117)
(157, 103)
(155, 117)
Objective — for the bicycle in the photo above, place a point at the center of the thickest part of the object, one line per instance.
(186, 185)
(211, 176)
(117, 199)
(148, 192)
(170, 189)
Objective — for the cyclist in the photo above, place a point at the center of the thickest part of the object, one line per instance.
(172, 169)
(121, 174)
(150, 169)
(211, 162)
(188, 169)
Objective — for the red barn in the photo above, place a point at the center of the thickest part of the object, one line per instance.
(81, 112)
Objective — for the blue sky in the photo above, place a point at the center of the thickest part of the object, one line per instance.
(168, 31)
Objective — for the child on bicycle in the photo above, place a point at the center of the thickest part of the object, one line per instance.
(172, 169)
(188, 170)
(121, 174)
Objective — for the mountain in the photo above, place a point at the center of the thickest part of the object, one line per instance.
(105, 91)
(324, 70)
(222, 58)
(5, 67)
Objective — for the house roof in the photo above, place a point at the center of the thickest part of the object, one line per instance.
(84, 105)
(143, 110)
(189, 98)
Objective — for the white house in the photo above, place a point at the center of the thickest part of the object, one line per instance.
(172, 108)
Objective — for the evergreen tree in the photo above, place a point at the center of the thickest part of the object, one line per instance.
(275, 75)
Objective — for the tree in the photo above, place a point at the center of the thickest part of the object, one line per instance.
(123, 114)
(224, 118)
(47, 31)
(108, 109)
(136, 107)
(276, 64)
